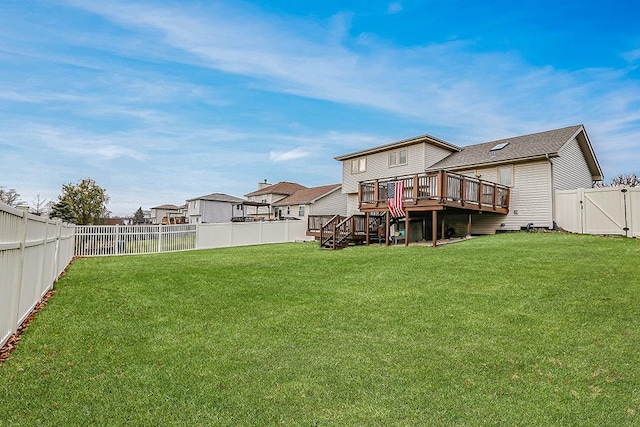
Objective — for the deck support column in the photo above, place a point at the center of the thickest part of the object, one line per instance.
(366, 228)
(442, 230)
(387, 228)
(406, 229)
(434, 228)
(469, 226)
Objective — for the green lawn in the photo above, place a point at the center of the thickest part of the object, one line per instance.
(514, 329)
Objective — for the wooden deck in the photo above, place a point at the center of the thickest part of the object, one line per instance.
(432, 191)
(428, 192)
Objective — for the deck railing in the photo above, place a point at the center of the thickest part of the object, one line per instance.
(437, 188)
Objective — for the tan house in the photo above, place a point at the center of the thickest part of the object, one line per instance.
(326, 200)
(168, 214)
(483, 188)
(261, 202)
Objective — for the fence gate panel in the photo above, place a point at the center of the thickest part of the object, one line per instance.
(604, 212)
(609, 210)
(568, 210)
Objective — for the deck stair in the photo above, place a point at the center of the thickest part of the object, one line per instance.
(339, 232)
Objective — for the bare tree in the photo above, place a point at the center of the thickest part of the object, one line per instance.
(38, 204)
(628, 179)
(9, 197)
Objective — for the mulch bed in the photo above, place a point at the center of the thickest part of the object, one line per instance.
(12, 342)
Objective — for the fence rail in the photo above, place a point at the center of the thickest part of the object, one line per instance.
(34, 251)
(100, 240)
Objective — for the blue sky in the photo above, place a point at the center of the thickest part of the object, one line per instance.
(161, 101)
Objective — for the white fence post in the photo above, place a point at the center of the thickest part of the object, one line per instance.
(20, 273)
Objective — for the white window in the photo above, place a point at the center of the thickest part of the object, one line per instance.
(301, 210)
(359, 165)
(505, 175)
(397, 158)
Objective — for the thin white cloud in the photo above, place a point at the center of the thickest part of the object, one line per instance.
(394, 7)
(445, 83)
(632, 56)
(85, 145)
(286, 156)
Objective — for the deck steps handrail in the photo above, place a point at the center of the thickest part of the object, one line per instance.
(339, 231)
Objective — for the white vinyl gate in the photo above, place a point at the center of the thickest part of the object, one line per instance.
(609, 210)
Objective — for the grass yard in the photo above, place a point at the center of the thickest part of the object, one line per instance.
(514, 329)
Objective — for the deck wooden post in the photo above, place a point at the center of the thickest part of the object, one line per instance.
(442, 227)
(469, 226)
(416, 189)
(406, 229)
(366, 228)
(443, 186)
(434, 229)
(463, 190)
(387, 228)
(376, 195)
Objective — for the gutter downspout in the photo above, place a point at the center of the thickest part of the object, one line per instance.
(553, 193)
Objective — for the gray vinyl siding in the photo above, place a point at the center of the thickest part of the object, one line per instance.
(332, 204)
(352, 204)
(530, 200)
(570, 170)
(433, 155)
(419, 157)
(215, 212)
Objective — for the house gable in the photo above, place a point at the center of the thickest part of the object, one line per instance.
(403, 157)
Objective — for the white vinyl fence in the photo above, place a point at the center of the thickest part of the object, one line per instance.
(608, 210)
(251, 233)
(34, 251)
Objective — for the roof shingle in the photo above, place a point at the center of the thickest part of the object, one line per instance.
(283, 187)
(307, 195)
(519, 147)
(218, 197)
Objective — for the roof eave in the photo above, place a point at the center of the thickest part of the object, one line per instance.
(399, 144)
(495, 162)
(589, 155)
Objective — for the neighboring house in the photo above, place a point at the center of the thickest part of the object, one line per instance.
(324, 200)
(267, 195)
(166, 214)
(212, 208)
(500, 185)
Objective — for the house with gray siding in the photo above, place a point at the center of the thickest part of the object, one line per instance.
(212, 208)
(507, 184)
